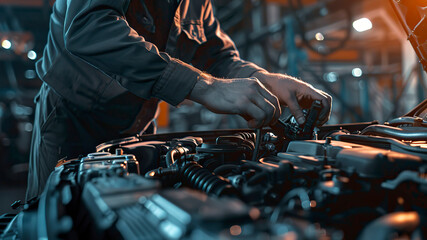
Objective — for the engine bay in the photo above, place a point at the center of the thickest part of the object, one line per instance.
(347, 181)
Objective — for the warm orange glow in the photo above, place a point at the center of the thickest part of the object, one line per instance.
(61, 162)
(404, 218)
(344, 179)
(290, 236)
(269, 164)
(235, 230)
(421, 144)
(327, 175)
(400, 200)
(309, 158)
(152, 173)
(254, 213)
(328, 184)
(341, 55)
(163, 118)
(313, 203)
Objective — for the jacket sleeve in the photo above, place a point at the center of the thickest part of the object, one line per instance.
(97, 32)
(218, 55)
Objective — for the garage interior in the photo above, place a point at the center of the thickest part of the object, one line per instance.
(355, 50)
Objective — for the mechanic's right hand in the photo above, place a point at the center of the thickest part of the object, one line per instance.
(244, 96)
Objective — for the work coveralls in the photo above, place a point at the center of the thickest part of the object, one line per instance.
(106, 65)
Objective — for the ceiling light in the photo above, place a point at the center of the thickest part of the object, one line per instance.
(362, 24)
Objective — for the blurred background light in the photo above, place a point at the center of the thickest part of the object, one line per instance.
(331, 77)
(356, 72)
(362, 24)
(6, 44)
(319, 36)
(30, 74)
(32, 55)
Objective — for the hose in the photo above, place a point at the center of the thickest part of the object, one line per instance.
(175, 154)
(410, 134)
(195, 176)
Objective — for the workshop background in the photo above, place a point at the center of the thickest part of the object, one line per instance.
(354, 50)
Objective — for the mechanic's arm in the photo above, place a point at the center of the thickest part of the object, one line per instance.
(98, 33)
(219, 57)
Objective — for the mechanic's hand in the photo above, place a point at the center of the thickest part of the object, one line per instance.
(244, 96)
(296, 94)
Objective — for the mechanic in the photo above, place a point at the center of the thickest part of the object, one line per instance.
(107, 63)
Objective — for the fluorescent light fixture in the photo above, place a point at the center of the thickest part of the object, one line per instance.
(362, 24)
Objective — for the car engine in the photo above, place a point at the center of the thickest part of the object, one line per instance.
(348, 181)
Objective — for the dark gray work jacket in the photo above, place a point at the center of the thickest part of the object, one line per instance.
(98, 62)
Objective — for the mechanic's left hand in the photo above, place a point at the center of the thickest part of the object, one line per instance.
(296, 94)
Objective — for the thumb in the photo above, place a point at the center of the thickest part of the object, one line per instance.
(295, 109)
